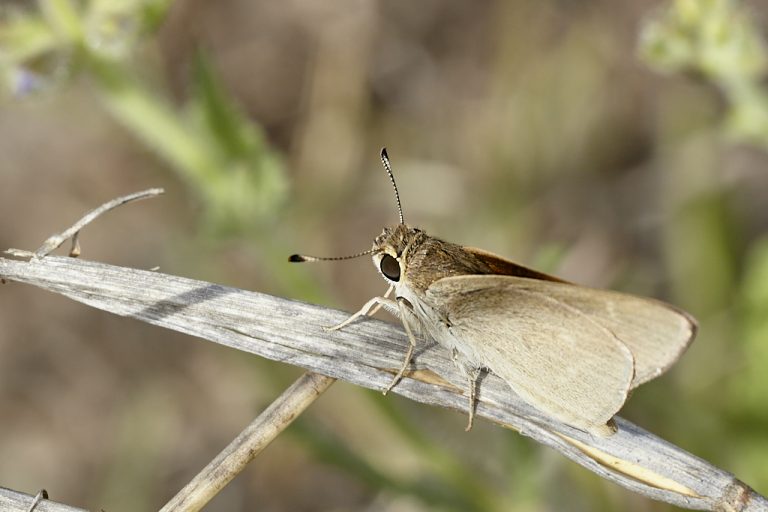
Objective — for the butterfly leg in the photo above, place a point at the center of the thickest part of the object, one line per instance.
(403, 309)
(473, 374)
(379, 305)
(371, 307)
(368, 309)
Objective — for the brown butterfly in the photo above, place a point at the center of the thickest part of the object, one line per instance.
(574, 353)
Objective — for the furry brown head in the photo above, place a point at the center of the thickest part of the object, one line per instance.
(421, 258)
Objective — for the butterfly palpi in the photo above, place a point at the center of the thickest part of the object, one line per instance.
(574, 353)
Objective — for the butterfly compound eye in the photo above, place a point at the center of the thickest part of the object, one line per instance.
(390, 267)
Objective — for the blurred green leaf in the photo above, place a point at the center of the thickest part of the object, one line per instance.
(65, 19)
(750, 385)
(24, 37)
(247, 186)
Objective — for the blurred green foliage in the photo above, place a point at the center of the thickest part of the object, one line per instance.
(719, 40)
(209, 141)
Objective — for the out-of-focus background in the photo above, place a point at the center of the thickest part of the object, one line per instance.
(616, 144)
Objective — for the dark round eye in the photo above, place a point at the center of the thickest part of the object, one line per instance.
(390, 267)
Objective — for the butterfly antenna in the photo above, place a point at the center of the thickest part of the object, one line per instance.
(388, 168)
(300, 258)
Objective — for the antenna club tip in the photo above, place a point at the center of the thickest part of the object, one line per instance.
(296, 258)
(384, 152)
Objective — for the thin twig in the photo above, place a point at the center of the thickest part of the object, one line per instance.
(55, 241)
(251, 441)
(368, 353)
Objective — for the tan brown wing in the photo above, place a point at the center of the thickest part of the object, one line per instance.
(504, 267)
(657, 333)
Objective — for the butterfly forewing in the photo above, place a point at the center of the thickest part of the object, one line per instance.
(504, 267)
(656, 333)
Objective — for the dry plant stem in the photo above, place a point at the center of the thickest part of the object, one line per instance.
(56, 240)
(368, 353)
(265, 428)
(13, 501)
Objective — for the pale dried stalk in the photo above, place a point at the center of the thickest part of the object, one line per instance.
(256, 436)
(14, 501)
(367, 353)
